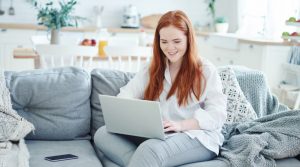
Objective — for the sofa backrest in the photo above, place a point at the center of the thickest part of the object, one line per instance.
(107, 82)
(56, 101)
(252, 82)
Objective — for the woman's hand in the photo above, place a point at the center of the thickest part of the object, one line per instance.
(179, 126)
(172, 126)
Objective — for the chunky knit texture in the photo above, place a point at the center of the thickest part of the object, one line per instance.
(12, 127)
(255, 88)
(274, 135)
(260, 142)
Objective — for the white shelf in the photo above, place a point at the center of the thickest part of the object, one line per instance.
(292, 38)
(292, 67)
(292, 23)
(295, 38)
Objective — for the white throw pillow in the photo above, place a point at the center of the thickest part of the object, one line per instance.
(238, 107)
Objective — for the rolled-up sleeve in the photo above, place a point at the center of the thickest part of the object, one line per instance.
(136, 86)
(213, 114)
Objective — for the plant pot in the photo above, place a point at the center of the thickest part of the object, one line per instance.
(55, 37)
(222, 27)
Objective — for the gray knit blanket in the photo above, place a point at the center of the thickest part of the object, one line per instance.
(259, 142)
(255, 87)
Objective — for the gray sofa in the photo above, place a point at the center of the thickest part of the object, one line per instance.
(63, 105)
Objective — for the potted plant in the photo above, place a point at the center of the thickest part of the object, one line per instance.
(56, 18)
(221, 25)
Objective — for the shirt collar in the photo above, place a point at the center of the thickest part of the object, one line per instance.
(167, 73)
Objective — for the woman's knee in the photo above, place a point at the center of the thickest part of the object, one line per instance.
(147, 154)
(114, 146)
(150, 146)
(100, 133)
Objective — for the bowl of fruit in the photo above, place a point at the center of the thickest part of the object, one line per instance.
(291, 36)
(293, 21)
(88, 42)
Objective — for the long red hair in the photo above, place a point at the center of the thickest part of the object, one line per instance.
(190, 77)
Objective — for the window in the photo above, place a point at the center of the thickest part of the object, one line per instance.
(266, 18)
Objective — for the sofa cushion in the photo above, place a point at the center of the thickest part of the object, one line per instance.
(106, 82)
(82, 148)
(238, 107)
(55, 101)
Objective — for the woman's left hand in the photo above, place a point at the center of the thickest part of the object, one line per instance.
(170, 126)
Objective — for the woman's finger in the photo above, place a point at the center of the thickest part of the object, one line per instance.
(169, 129)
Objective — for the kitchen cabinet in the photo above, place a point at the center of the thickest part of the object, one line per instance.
(221, 56)
(274, 57)
(252, 55)
(213, 49)
(266, 58)
(203, 46)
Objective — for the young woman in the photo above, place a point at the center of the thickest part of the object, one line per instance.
(190, 94)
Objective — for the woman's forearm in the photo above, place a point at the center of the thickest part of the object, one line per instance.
(189, 124)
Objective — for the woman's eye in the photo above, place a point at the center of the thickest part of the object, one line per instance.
(164, 42)
(177, 41)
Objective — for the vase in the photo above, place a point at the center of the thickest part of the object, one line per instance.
(222, 27)
(55, 38)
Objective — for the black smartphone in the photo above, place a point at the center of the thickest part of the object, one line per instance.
(61, 157)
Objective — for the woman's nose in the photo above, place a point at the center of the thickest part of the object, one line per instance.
(170, 46)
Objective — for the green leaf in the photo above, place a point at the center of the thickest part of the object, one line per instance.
(220, 20)
(52, 17)
(49, 3)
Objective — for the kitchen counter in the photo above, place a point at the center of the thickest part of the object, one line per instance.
(248, 40)
(72, 29)
(241, 39)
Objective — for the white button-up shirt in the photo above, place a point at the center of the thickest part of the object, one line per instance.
(209, 111)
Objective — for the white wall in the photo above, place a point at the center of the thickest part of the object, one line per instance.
(229, 9)
(112, 15)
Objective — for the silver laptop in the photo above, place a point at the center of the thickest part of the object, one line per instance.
(132, 117)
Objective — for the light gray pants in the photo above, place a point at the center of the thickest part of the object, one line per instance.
(176, 150)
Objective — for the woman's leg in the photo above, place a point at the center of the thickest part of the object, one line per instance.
(117, 148)
(176, 150)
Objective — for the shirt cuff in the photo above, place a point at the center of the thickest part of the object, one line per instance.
(205, 121)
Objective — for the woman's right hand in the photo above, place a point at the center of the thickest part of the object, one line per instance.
(172, 126)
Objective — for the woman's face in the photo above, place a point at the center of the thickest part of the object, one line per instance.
(173, 43)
